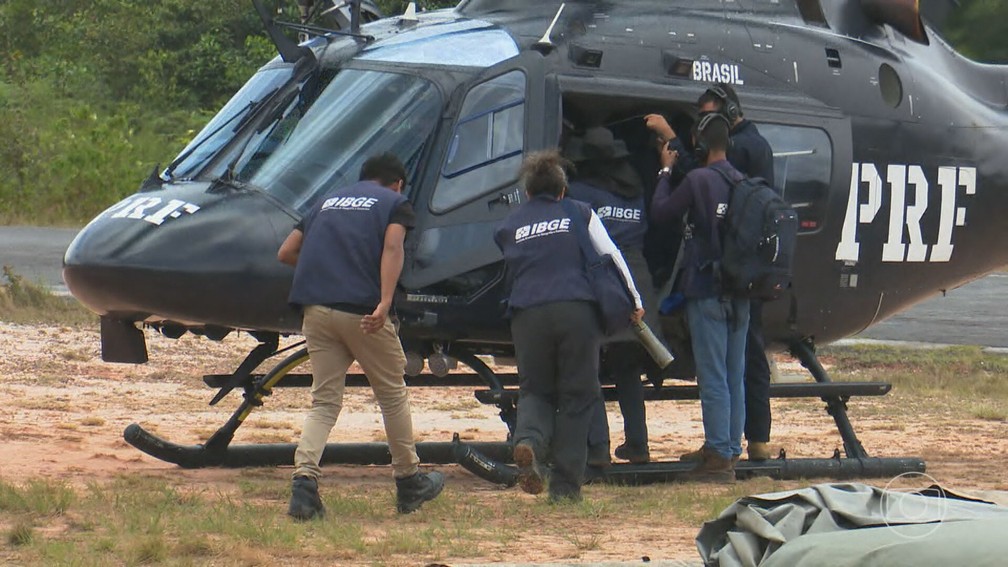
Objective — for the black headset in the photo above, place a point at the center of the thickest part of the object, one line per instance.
(729, 107)
(701, 150)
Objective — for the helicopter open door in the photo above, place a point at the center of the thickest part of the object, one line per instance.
(499, 116)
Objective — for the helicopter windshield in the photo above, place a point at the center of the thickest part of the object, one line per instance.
(222, 127)
(360, 114)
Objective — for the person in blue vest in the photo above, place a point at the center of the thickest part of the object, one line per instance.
(750, 153)
(717, 321)
(555, 326)
(348, 254)
(612, 187)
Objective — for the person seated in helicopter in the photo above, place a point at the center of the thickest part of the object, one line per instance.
(606, 180)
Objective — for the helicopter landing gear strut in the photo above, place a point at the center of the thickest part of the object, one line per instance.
(218, 451)
(854, 464)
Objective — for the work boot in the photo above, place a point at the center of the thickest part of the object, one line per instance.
(758, 451)
(530, 476)
(305, 502)
(598, 456)
(636, 454)
(692, 456)
(414, 490)
(711, 468)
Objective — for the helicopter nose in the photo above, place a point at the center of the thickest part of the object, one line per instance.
(187, 255)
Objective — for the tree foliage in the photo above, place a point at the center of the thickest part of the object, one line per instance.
(978, 30)
(94, 93)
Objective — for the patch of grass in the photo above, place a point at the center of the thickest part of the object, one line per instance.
(21, 534)
(991, 411)
(41, 497)
(92, 421)
(26, 302)
(963, 372)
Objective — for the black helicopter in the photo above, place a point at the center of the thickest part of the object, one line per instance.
(887, 142)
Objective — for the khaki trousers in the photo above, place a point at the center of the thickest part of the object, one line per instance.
(335, 340)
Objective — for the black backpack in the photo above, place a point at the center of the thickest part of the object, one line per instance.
(758, 240)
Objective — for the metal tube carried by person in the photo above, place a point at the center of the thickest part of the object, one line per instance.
(653, 345)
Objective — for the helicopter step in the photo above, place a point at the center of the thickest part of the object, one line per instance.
(691, 392)
(360, 380)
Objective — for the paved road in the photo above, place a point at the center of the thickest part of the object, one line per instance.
(974, 314)
(36, 253)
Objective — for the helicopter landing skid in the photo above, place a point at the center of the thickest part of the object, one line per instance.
(218, 451)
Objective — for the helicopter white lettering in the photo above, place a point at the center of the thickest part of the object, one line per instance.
(544, 228)
(625, 214)
(137, 208)
(708, 72)
(905, 238)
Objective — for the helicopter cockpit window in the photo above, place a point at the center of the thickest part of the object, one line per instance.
(359, 114)
(486, 147)
(803, 165)
(222, 128)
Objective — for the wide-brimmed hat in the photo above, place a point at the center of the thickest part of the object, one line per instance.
(597, 143)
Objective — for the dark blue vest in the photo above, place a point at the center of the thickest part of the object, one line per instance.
(544, 260)
(344, 235)
(624, 219)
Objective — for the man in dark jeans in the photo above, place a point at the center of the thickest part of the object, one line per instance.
(750, 153)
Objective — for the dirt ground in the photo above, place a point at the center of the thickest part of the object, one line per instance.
(65, 411)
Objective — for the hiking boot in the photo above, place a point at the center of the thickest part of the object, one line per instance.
(598, 456)
(758, 451)
(636, 454)
(305, 502)
(530, 476)
(414, 490)
(711, 468)
(692, 456)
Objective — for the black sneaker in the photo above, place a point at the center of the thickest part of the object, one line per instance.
(413, 491)
(305, 502)
(633, 453)
(530, 477)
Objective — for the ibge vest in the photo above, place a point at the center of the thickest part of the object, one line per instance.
(544, 260)
(344, 235)
(624, 219)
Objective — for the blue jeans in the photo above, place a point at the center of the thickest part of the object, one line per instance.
(718, 334)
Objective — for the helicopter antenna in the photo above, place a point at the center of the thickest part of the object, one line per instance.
(409, 16)
(545, 44)
(289, 51)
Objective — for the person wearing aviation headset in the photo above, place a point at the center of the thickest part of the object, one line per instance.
(717, 322)
(555, 326)
(750, 153)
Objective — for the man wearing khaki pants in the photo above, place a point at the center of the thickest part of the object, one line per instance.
(348, 254)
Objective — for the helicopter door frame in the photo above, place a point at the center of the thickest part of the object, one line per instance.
(454, 236)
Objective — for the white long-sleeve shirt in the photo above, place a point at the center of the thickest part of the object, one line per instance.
(604, 245)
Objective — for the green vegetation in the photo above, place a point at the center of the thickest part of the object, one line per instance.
(144, 520)
(95, 93)
(965, 377)
(25, 302)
